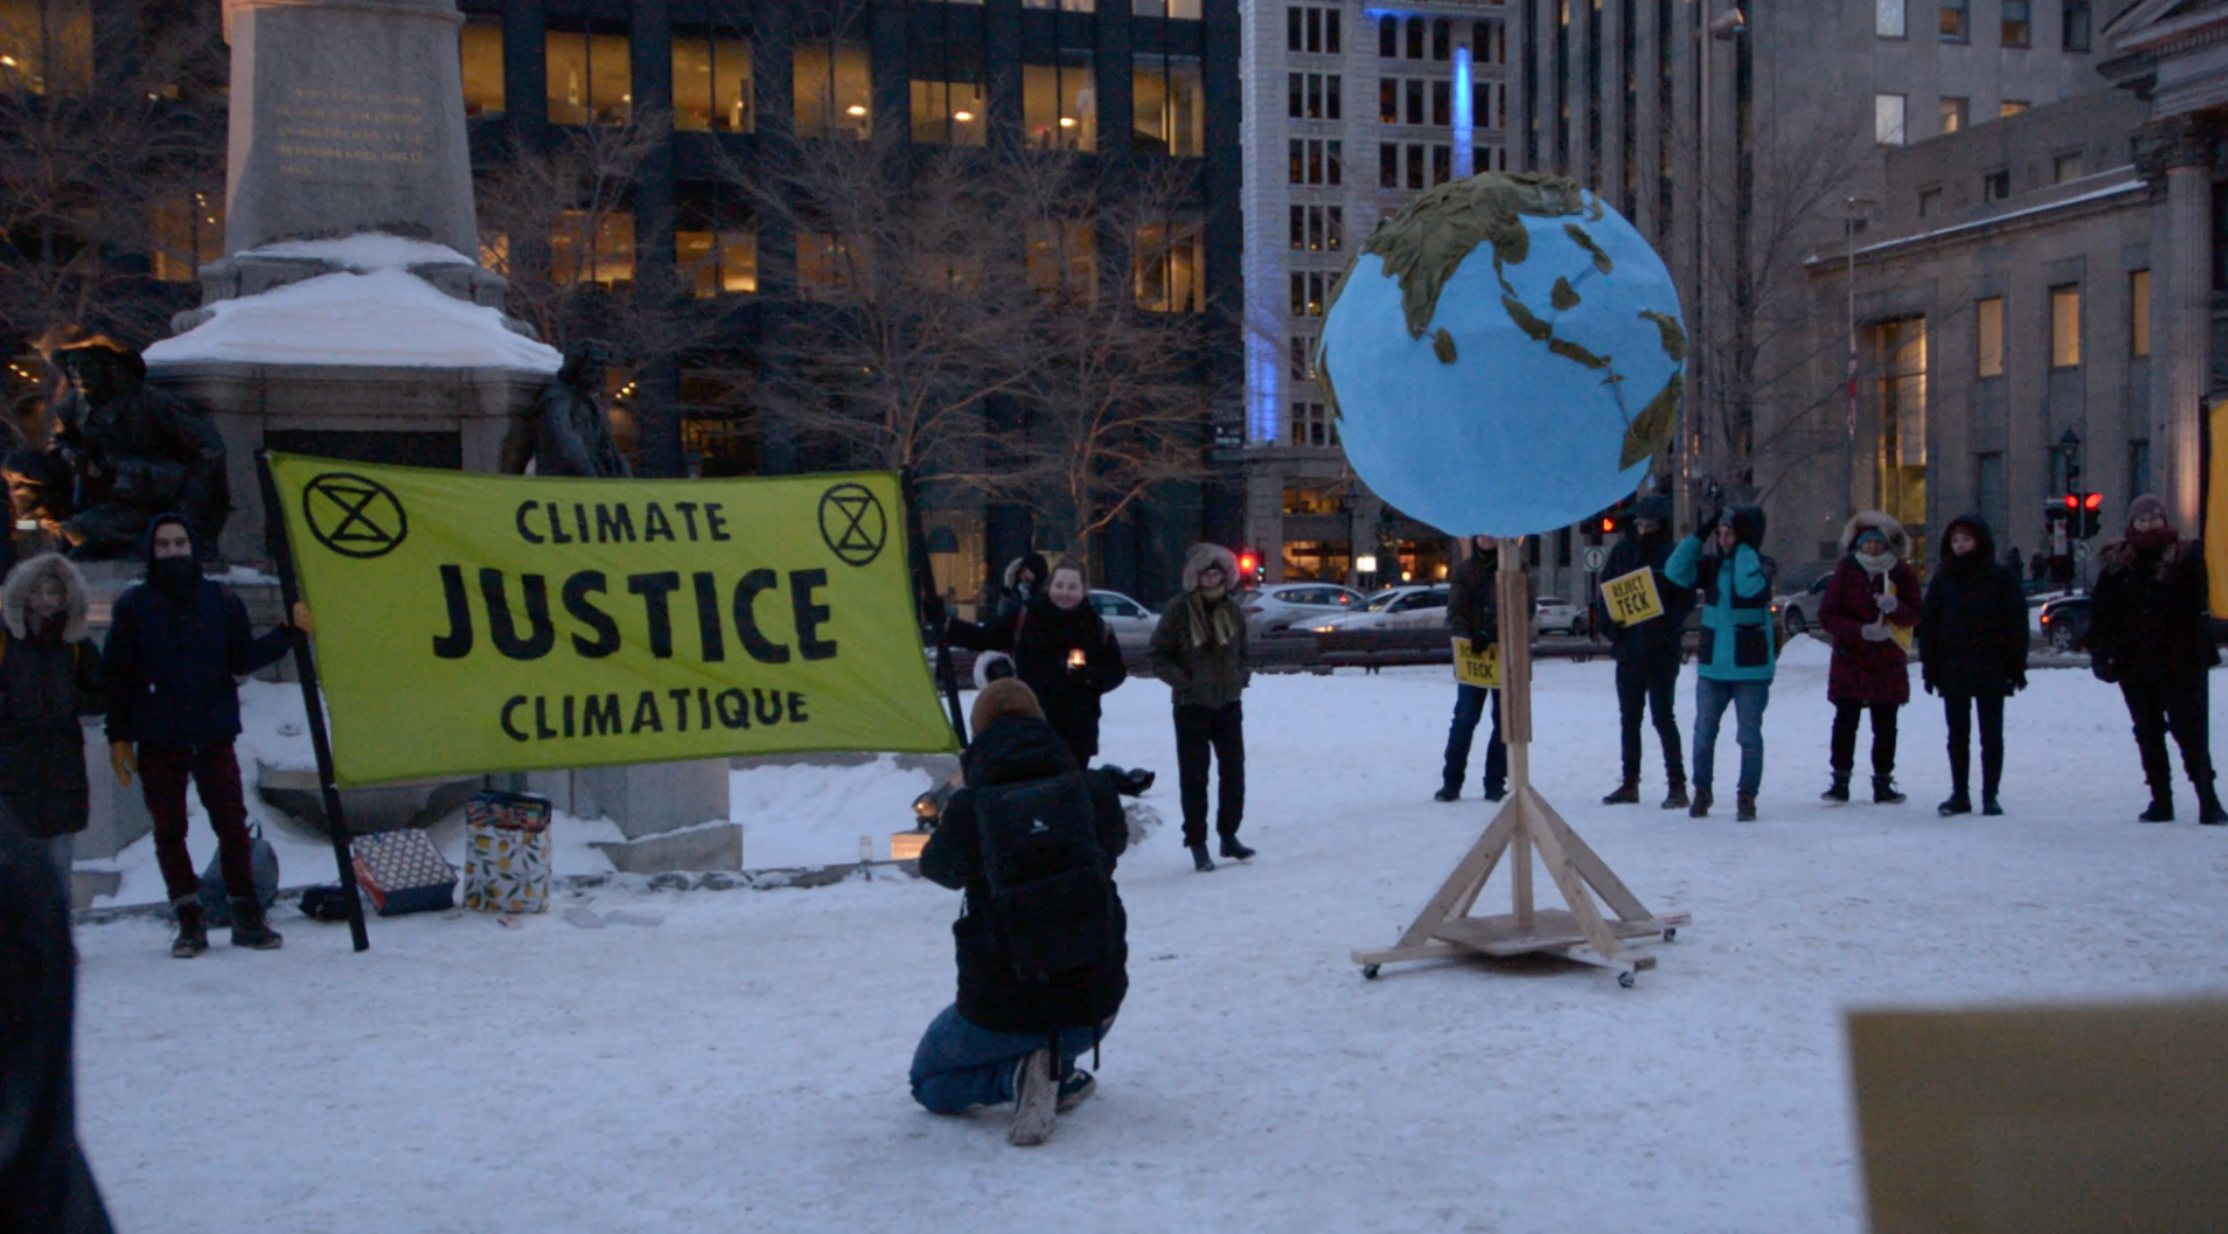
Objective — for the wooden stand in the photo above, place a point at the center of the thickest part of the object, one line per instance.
(1445, 928)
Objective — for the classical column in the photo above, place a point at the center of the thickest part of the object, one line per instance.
(2175, 150)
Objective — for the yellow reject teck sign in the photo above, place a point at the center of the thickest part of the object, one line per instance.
(1632, 597)
(1482, 670)
(475, 623)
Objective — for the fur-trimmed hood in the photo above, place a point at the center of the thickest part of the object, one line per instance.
(1204, 555)
(1899, 541)
(1034, 563)
(15, 596)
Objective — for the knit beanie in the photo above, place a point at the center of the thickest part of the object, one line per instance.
(1007, 696)
(2148, 503)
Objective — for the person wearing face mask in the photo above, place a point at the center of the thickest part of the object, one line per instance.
(50, 674)
(176, 645)
(1064, 652)
(1724, 562)
(1648, 653)
(1199, 649)
(1872, 599)
(1973, 635)
(1474, 613)
(2150, 631)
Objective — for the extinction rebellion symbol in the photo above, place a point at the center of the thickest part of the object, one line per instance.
(853, 523)
(353, 516)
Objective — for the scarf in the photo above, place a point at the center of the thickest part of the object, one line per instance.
(2154, 539)
(1876, 564)
(1214, 620)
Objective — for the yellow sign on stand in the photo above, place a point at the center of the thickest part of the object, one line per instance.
(1632, 597)
(1482, 669)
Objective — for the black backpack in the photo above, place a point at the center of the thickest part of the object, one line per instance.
(1050, 897)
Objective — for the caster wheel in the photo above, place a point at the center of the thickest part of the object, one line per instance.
(1670, 933)
(1625, 980)
(1369, 972)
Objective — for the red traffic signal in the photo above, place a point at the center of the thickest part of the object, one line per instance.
(2073, 502)
(1249, 563)
(2094, 501)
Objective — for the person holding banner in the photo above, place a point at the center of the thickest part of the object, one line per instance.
(1870, 608)
(176, 645)
(1474, 615)
(1645, 614)
(1725, 564)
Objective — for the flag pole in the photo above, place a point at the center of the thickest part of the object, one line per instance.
(336, 822)
(924, 585)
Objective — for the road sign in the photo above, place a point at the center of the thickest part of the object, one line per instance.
(2080, 550)
(1595, 556)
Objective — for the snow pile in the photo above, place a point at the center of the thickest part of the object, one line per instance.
(367, 250)
(815, 816)
(383, 317)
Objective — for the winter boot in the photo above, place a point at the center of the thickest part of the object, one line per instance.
(1450, 792)
(1075, 1090)
(1625, 794)
(1676, 799)
(1883, 792)
(193, 935)
(1234, 850)
(1989, 807)
(1744, 808)
(1838, 792)
(2209, 812)
(1201, 863)
(1958, 803)
(1701, 806)
(2162, 805)
(1495, 794)
(1035, 1101)
(249, 929)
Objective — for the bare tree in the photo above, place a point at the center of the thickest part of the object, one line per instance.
(111, 159)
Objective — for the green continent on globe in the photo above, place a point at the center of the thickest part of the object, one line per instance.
(1423, 244)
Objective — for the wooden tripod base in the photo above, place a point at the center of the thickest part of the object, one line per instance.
(1445, 928)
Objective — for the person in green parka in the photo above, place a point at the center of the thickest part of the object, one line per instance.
(1724, 563)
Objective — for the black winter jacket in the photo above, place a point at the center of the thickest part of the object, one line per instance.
(1973, 624)
(45, 1186)
(1041, 636)
(46, 683)
(172, 660)
(2149, 618)
(1013, 750)
(1654, 642)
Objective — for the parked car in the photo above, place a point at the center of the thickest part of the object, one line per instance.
(2065, 623)
(1797, 612)
(1555, 615)
(1132, 623)
(1416, 606)
(1281, 606)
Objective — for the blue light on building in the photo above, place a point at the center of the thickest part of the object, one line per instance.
(1465, 159)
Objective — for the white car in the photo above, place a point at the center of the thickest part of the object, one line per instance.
(1555, 615)
(1132, 623)
(1395, 608)
(1281, 606)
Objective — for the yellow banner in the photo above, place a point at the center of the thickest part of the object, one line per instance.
(1632, 597)
(1482, 670)
(2216, 508)
(474, 623)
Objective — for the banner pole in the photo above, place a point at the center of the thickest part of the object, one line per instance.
(924, 585)
(336, 822)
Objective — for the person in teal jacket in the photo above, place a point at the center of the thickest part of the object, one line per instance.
(1732, 580)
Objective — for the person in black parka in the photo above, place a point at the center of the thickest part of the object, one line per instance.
(45, 1185)
(1648, 653)
(50, 674)
(1062, 649)
(2150, 630)
(176, 645)
(1973, 639)
(1006, 1033)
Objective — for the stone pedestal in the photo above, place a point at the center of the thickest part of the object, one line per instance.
(116, 816)
(662, 809)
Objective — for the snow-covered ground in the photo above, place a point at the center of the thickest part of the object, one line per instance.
(740, 1064)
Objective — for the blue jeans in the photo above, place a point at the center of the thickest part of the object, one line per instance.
(1470, 705)
(959, 1064)
(1711, 698)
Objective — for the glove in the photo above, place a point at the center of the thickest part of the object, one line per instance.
(933, 612)
(2019, 683)
(2104, 670)
(1876, 632)
(1706, 518)
(1926, 684)
(1888, 603)
(122, 759)
(301, 620)
(1478, 644)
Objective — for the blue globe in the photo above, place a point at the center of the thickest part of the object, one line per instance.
(1506, 356)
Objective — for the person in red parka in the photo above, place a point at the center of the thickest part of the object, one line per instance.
(1870, 607)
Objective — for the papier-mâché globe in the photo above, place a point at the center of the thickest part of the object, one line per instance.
(1505, 356)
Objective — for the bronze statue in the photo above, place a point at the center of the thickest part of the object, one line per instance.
(566, 433)
(130, 452)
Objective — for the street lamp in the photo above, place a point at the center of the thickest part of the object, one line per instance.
(1724, 28)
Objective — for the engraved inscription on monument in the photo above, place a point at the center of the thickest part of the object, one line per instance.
(322, 130)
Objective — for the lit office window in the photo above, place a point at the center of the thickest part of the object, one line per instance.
(1059, 104)
(187, 232)
(1169, 267)
(712, 83)
(590, 81)
(834, 89)
(2065, 326)
(480, 44)
(1887, 119)
(949, 113)
(1988, 332)
(1169, 105)
(2139, 314)
(585, 247)
(717, 263)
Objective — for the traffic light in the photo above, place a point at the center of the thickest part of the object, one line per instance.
(2092, 510)
(1249, 566)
